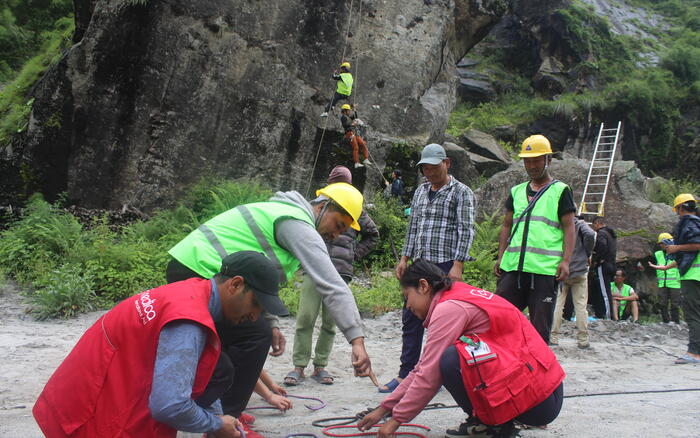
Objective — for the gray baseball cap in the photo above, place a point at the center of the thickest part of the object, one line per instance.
(432, 154)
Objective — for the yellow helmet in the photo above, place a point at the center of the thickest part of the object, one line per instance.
(535, 146)
(663, 236)
(345, 64)
(683, 197)
(346, 107)
(347, 197)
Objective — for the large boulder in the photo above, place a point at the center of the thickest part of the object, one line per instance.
(156, 94)
(461, 165)
(485, 145)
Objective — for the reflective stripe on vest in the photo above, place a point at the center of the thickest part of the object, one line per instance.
(345, 84)
(669, 278)
(694, 271)
(244, 228)
(539, 239)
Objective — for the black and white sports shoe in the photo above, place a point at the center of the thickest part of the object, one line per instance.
(475, 428)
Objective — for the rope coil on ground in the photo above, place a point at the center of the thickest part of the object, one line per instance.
(327, 431)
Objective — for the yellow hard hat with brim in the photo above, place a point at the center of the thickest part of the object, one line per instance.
(683, 197)
(663, 236)
(347, 197)
(535, 146)
(346, 107)
(345, 64)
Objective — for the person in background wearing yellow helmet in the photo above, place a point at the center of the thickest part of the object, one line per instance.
(686, 253)
(349, 120)
(537, 238)
(669, 282)
(291, 231)
(343, 87)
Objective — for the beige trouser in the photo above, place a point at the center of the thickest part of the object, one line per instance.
(579, 295)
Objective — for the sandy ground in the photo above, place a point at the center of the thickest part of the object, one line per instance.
(31, 350)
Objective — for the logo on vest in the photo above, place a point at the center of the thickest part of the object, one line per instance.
(481, 293)
(144, 307)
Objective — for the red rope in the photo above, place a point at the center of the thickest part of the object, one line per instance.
(327, 430)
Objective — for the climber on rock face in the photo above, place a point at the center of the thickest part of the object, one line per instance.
(349, 120)
(344, 88)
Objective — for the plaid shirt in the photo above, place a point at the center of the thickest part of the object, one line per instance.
(442, 229)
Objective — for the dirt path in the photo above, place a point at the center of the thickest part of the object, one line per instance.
(31, 350)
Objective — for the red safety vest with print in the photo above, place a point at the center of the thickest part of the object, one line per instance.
(508, 369)
(102, 388)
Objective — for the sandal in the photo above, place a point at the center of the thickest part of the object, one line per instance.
(390, 387)
(293, 378)
(322, 376)
(685, 359)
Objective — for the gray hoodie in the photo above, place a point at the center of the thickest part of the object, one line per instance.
(304, 242)
(585, 240)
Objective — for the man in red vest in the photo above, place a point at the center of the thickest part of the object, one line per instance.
(145, 368)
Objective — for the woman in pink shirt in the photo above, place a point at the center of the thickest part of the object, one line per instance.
(483, 350)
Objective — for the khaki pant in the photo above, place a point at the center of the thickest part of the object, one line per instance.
(579, 295)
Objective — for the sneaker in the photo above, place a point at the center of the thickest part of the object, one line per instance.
(366, 162)
(358, 165)
(324, 114)
(473, 427)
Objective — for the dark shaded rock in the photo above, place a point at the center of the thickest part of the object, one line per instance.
(485, 145)
(467, 62)
(461, 165)
(505, 133)
(475, 91)
(486, 166)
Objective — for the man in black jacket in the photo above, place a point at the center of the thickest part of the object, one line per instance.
(604, 255)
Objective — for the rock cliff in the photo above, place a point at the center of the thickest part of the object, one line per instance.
(152, 97)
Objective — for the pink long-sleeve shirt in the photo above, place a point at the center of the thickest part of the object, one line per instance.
(445, 322)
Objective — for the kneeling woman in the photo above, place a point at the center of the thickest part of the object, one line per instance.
(483, 350)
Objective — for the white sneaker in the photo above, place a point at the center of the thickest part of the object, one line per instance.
(357, 165)
(324, 114)
(366, 162)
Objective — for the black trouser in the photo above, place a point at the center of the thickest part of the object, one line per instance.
(601, 296)
(673, 295)
(412, 334)
(536, 292)
(336, 97)
(691, 311)
(244, 349)
(541, 414)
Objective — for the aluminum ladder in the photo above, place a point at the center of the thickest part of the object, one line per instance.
(600, 170)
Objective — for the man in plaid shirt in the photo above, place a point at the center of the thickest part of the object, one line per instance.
(440, 230)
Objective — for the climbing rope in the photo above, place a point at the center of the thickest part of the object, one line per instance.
(327, 431)
(648, 391)
(325, 122)
(320, 406)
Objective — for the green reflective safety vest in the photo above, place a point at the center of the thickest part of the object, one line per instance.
(542, 246)
(249, 227)
(670, 278)
(694, 271)
(625, 292)
(345, 84)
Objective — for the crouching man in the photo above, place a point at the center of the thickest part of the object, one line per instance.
(146, 367)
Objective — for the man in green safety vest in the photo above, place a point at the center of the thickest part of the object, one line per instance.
(686, 253)
(343, 88)
(623, 294)
(669, 282)
(290, 231)
(537, 238)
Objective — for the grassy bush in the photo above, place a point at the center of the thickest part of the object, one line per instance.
(484, 249)
(63, 293)
(666, 191)
(388, 215)
(115, 265)
(382, 296)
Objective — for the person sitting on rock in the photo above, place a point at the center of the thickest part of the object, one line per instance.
(483, 350)
(622, 295)
(344, 87)
(349, 120)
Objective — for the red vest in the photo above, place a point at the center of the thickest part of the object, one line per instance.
(101, 389)
(523, 374)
